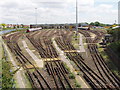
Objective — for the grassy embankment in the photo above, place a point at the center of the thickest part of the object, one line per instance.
(7, 76)
(115, 53)
(1, 54)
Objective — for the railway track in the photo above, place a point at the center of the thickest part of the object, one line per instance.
(76, 57)
(78, 60)
(104, 72)
(55, 68)
(42, 41)
(105, 79)
(34, 77)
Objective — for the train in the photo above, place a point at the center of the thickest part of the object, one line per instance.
(33, 29)
(84, 28)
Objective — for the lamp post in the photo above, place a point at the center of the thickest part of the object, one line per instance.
(76, 19)
(36, 16)
(116, 30)
(115, 22)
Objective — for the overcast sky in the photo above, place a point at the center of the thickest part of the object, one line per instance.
(57, 11)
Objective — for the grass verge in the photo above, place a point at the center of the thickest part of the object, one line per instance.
(7, 74)
(109, 63)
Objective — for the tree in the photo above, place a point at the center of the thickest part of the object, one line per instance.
(102, 24)
(92, 23)
(79, 25)
(86, 23)
(97, 23)
(3, 24)
(22, 26)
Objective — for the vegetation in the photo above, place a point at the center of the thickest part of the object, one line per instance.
(7, 28)
(3, 24)
(68, 69)
(71, 76)
(97, 24)
(21, 29)
(17, 30)
(7, 76)
(77, 85)
(15, 26)
(7, 73)
(115, 48)
(115, 33)
(109, 62)
(75, 41)
(115, 45)
(0, 66)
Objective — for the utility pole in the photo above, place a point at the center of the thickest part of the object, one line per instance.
(36, 16)
(116, 31)
(76, 19)
(115, 22)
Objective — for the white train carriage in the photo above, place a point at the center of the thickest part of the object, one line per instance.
(33, 29)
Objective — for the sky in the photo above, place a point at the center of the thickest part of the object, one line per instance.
(58, 11)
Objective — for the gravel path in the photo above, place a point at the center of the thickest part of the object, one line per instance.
(38, 61)
(81, 46)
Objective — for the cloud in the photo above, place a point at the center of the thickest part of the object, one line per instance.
(54, 11)
(103, 13)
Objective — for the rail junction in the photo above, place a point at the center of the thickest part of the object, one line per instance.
(53, 73)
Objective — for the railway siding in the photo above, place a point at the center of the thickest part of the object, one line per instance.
(53, 65)
(53, 46)
(78, 78)
(95, 80)
(104, 72)
(19, 75)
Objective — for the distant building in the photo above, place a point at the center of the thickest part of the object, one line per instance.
(26, 26)
(9, 26)
(1, 27)
(119, 12)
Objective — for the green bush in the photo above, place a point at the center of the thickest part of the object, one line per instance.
(77, 85)
(115, 47)
(68, 69)
(7, 76)
(115, 33)
(71, 76)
